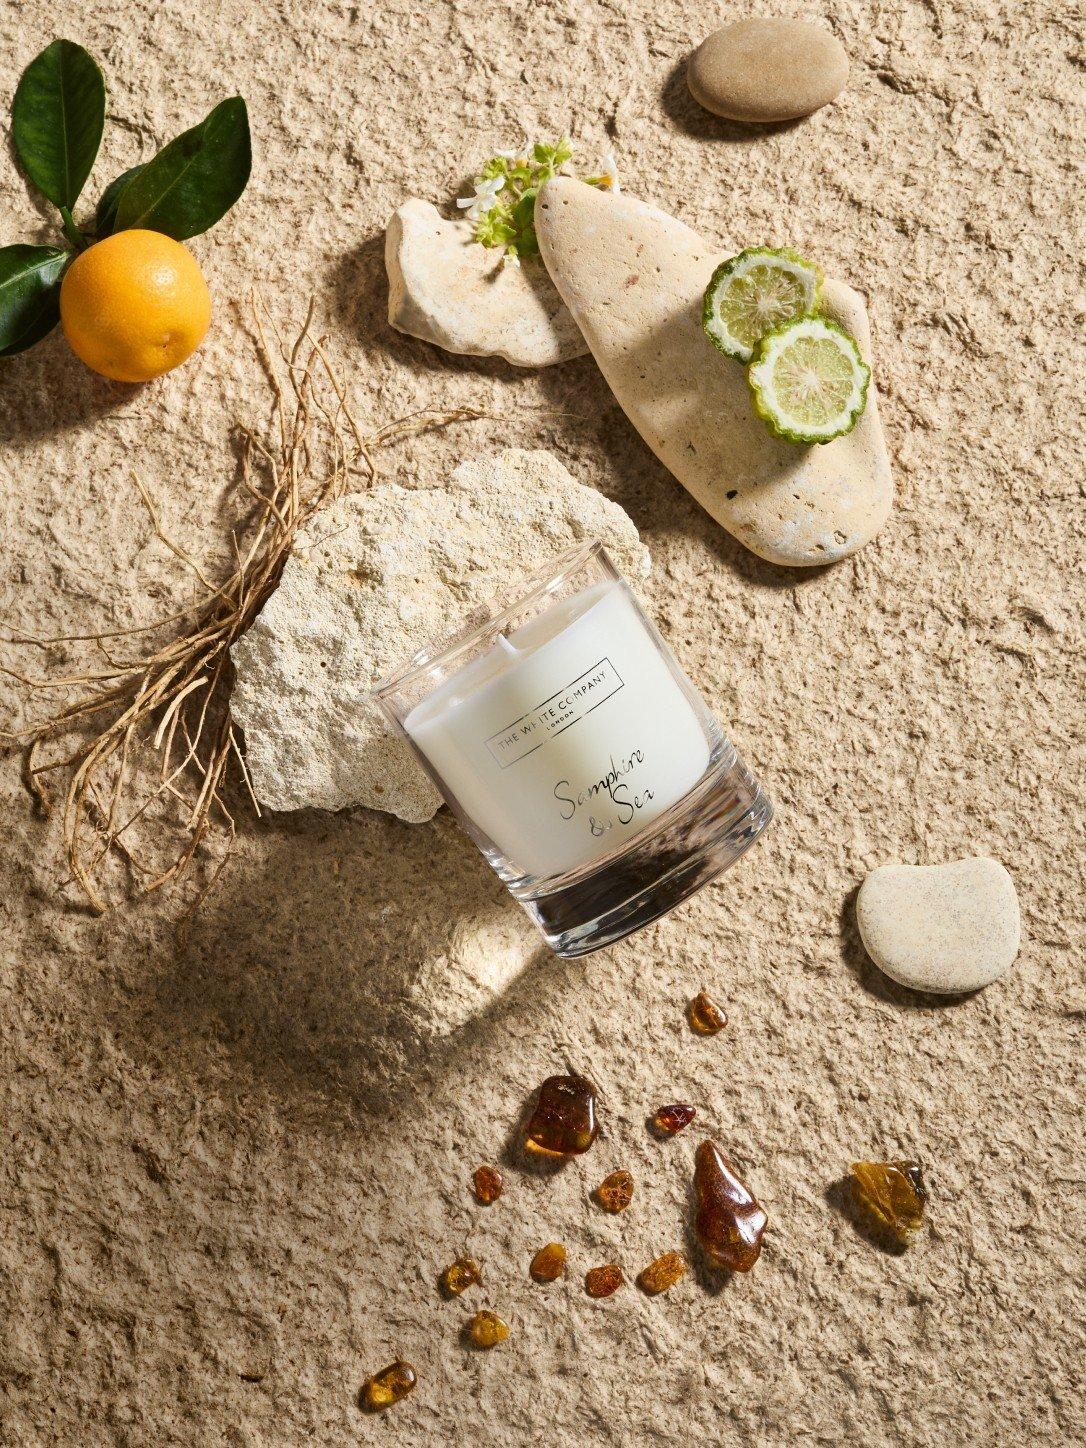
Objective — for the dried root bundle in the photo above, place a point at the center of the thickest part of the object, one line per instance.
(175, 698)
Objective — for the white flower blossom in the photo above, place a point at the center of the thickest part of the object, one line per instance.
(609, 171)
(486, 196)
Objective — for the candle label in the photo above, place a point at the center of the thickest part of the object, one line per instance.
(556, 714)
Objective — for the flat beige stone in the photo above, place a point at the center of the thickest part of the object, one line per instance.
(767, 70)
(941, 928)
(634, 278)
(445, 288)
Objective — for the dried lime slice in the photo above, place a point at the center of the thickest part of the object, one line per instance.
(757, 290)
(809, 381)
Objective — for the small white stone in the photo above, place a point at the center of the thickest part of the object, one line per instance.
(447, 289)
(378, 576)
(940, 928)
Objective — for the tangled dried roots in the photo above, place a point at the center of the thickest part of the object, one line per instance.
(176, 697)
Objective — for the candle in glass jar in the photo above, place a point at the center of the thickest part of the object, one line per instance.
(577, 755)
(570, 736)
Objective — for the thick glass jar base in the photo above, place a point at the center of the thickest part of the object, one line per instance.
(697, 840)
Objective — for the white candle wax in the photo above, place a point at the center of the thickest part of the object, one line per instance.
(568, 737)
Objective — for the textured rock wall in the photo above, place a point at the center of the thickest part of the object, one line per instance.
(214, 1221)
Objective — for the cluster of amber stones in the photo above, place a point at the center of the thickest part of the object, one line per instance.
(674, 1118)
(892, 1193)
(390, 1385)
(549, 1263)
(486, 1329)
(460, 1275)
(487, 1181)
(602, 1281)
(615, 1192)
(706, 1017)
(658, 1276)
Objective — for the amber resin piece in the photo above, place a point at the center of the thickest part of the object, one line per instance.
(549, 1263)
(706, 1017)
(615, 1192)
(487, 1181)
(658, 1276)
(602, 1281)
(463, 1273)
(390, 1385)
(564, 1120)
(728, 1220)
(670, 1119)
(892, 1192)
(486, 1329)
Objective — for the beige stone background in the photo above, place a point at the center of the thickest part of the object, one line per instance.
(229, 1176)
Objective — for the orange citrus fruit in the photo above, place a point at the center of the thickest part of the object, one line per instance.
(134, 305)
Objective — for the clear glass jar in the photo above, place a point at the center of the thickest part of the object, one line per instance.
(577, 755)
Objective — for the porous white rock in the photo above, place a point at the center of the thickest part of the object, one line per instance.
(634, 279)
(377, 576)
(447, 289)
(940, 928)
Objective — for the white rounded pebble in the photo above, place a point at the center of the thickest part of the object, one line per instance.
(940, 928)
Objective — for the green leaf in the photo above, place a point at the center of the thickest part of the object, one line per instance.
(29, 294)
(106, 213)
(56, 120)
(194, 180)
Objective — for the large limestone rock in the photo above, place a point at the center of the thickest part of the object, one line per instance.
(447, 289)
(634, 278)
(379, 575)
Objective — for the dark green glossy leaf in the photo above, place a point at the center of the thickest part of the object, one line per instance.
(29, 294)
(57, 118)
(194, 180)
(106, 214)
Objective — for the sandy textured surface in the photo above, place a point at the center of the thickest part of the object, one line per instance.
(213, 1223)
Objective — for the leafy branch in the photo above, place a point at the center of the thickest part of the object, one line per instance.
(57, 120)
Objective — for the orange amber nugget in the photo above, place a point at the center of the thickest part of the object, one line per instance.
(658, 1276)
(486, 1329)
(892, 1192)
(390, 1385)
(549, 1263)
(602, 1281)
(564, 1120)
(615, 1192)
(463, 1273)
(487, 1182)
(670, 1119)
(706, 1017)
(728, 1221)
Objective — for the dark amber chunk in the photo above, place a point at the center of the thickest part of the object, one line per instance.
(549, 1263)
(564, 1119)
(487, 1182)
(602, 1281)
(706, 1017)
(463, 1273)
(390, 1385)
(615, 1192)
(728, 1221)
(892, 1192)
(486, 1329)
(670, 1119)
(658, 1276)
